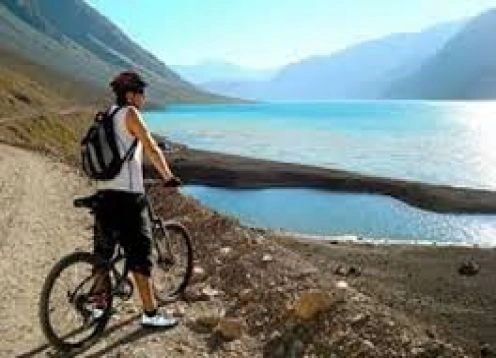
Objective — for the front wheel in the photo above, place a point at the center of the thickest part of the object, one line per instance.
(65, 308)
(172, 258)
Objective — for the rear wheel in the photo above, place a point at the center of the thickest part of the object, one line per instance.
(172, 258)
(66, 302)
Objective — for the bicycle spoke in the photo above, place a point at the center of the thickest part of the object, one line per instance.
(68, 321)
(171, 262)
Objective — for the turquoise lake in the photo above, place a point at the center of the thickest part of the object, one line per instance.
(449, 143)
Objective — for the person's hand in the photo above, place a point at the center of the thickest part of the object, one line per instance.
(173, 182)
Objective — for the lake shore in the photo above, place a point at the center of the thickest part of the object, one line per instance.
(201, 167)
(420, 280)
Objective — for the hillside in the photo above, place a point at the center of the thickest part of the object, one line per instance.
(464, 69)
(75, 41)
(362, 71)
(26, 86)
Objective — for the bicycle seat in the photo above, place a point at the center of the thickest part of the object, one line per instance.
(89, 202)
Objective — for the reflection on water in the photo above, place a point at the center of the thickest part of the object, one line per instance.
(448, 143)
(324, 213)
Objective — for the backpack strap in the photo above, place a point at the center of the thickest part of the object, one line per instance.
(133, 146)
(130, 151)
(114, 112)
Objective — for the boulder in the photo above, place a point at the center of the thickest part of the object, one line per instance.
(469, 268)
(310, 304)
(230, 328)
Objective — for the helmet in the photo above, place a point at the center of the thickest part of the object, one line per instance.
(127, 81)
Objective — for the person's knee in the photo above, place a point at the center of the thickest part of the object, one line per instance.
(141, 265)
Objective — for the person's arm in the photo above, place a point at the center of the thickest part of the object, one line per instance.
(137, 128)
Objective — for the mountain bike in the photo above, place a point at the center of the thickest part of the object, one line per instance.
(64, 310)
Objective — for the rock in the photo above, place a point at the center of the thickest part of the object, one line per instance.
(225, 251)
(199, 293)
(199, 274)
(267, 258)
(310, 304)
(342, 285)
(206, 322)
(430, 332)
(417, 351)
(368, 344)
(246, 295)
(179, 310)
(230, 328)
(341, 271)
(210, 292)
(345, 271)
(256, 240)
(487, 351)
(306, 273)
(359, 319)
(469, 268)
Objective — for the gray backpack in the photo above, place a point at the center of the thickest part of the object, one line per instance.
(99, 152)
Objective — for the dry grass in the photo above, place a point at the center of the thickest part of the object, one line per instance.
(50, 133)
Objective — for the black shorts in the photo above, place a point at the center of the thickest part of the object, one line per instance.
(123, 218)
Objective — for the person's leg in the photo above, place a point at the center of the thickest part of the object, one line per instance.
(103, 248)
(137, 244)
(145, 290)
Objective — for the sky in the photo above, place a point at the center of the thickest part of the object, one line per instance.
(271, 33)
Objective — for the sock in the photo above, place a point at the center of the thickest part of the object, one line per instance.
(152, 313)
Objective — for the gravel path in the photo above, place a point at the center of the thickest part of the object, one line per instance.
(37, 226)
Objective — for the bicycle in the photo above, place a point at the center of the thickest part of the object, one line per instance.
(167, 236)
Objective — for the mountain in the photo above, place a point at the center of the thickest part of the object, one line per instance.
(464, 69)
(71, 38)
(219, 71)
(358, 72)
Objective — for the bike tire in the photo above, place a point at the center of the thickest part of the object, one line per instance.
(61, 343)
(168, 234)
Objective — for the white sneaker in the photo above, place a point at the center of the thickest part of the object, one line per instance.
(95, 312)
(157, 321)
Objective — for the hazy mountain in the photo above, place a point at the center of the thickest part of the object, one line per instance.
(361, 71)
(464, 69)
(73, 39)
(216, 71)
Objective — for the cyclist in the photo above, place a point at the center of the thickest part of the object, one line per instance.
(122, 216)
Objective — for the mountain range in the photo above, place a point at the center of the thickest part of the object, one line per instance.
(75, 56)
(362, 71)
(449, 61)
(72, 39)
(465, 68)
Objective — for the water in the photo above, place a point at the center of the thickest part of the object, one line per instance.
(443, 143)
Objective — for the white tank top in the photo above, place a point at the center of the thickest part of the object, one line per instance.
(130, 178)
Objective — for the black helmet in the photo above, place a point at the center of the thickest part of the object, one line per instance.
(127, 81)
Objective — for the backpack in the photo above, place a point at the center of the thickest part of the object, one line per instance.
(99, 152)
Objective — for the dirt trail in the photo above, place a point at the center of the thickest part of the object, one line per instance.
(37, 226)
